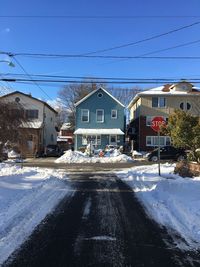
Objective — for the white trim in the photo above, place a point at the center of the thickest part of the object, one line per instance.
(82, 110)
(90, 94)
(87, 142)
(102, 115)
(114, 118)
(114, 131)
(154, 138)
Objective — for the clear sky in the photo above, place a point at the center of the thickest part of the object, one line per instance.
(79, 36)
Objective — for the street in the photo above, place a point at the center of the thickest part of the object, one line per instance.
(103, 224)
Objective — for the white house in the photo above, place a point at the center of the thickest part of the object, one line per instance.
(40, 125)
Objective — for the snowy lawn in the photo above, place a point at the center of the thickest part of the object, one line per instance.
(170, 200)
(79, 157)
(26, 196)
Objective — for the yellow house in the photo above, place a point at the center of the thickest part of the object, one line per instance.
(160, 101)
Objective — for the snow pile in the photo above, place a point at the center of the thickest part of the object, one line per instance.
(13, 155)
(79, 157)
(171, 200)
(26, 196)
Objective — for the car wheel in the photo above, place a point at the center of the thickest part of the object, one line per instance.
(154, 159)
(181, 157)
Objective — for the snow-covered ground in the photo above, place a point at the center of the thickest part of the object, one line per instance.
(171, 200)
(79, 157)
(26, 196)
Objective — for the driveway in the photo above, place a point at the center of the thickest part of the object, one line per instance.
(103, 224)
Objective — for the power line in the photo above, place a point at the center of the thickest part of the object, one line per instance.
(143, 40)
(95, 17)
(78, 55)
(31, 77)
(133, 81)
(131, 57)
(91, 79)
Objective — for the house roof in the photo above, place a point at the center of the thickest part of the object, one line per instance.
(27, 95)
(91, 93)
(115, 131)
(165, 90)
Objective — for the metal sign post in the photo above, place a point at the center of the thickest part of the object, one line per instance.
(159, 153)
(156, 124)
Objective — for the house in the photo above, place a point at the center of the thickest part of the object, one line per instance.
(160, 101)
(65, 137)
(39, 125)
(100, 120)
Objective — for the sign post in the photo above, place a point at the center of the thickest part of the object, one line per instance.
(156, 124)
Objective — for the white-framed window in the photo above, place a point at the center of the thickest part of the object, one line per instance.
(113, 139)
(185, 106)
(85, 115)
(153, 141)
(113, 114)
(149, 119)
(158, 102)
(93, 139)
(100, 115)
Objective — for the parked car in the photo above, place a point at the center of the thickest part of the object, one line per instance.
(167, 152)
(52, 151)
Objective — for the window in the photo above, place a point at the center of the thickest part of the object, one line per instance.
(85, 115)
(100, 115)
(32, 114)
(113, 114)
(113, 139)
(93, 139)
(52, 138)
(158, 102)
(153, 141)
(148, 120)
(185, 106)
(100, 95)
(17, 99)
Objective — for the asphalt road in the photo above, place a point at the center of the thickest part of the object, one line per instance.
(102, 224)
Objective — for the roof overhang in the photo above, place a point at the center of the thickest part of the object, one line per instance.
(115, 131)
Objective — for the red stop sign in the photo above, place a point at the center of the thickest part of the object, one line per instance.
(157, 123)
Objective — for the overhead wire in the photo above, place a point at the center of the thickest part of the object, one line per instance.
(17, 61)
(98, 16)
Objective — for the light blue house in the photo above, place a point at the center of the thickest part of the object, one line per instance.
(100, 119)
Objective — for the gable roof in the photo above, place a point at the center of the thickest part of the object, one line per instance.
(27, 95)
(165, 90)
(93, 92)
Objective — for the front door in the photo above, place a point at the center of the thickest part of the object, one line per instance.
(113, 140)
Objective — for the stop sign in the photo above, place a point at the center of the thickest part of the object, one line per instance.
(157, 123)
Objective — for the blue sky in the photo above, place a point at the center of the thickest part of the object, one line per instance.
(78, 36)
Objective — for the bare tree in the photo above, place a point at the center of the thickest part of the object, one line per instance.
(71, 94)
(124, 95)
(11, 119)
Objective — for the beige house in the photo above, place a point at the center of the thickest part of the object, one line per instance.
(40, 126)
(160, 101)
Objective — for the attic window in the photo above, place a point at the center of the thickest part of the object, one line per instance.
(17, 99)
(100, 95)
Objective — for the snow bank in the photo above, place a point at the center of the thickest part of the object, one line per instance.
(79, 157)
(26, 196)
(170, 200)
